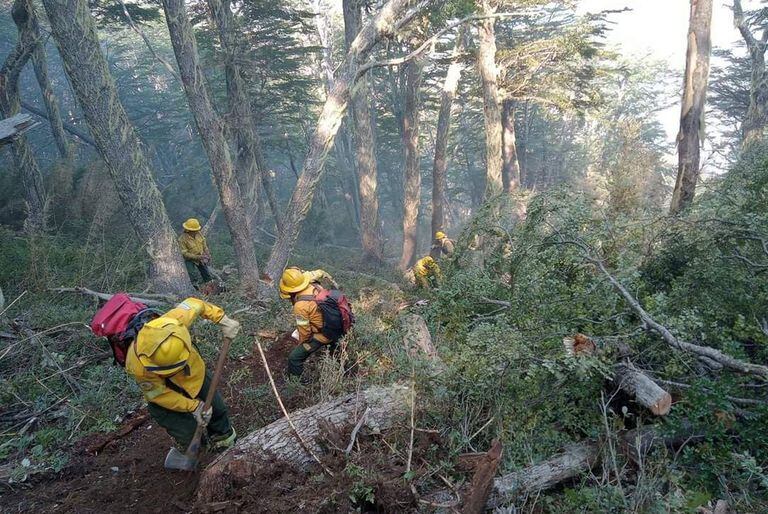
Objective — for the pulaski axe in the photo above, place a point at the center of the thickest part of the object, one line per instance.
(188, 461)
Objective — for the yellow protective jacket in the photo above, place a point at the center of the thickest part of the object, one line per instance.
(174, 323)
(446, 246)
(193, 245)
(309, 317)
(426, 268)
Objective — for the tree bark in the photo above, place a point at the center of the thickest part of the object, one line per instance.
(40, 64)
(211, 129)
(391, 18)
(756, 119)
(486, 62)
(440, 167)
(643, 389)
(365, 156)
(74, 30)
(278, 442)
(694, 100)
(250, 162)
(10, 105)
(511, 166)
(414, 75)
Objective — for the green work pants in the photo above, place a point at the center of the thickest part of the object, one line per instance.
(182, 425)
(301, 353)
(195, 269)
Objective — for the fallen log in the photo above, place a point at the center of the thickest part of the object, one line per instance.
(639, 386)
(13, 127)
(153, 300)
(278, 441)
(417, 339)
(574, 461)
(643, 389)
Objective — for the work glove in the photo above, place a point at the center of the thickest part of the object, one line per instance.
(295, 334)
(229, 327)
(202, 417)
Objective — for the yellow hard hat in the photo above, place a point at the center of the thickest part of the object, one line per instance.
(168, 358)
(440, 235)
(293, 281)
(192, 225)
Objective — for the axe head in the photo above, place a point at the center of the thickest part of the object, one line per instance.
(179, 461)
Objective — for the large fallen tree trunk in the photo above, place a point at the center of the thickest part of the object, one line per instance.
(575, 460)
(148, 299)
(278, 441)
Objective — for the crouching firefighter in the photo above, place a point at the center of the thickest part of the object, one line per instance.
(323, 316)
(157, 350)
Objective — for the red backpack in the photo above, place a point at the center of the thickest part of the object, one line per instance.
(119, 320)
(337, 313)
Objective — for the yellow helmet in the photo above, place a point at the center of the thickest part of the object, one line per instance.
(168, 357)
(293, 281)
(440, 235)
(192, 225)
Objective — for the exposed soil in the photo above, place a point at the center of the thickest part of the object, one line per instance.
(128, 475)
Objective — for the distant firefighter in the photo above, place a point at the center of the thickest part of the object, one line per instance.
(442, 246)
(195, 250)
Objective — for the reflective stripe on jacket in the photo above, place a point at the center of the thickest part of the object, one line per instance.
(174, 323)
(309, 317)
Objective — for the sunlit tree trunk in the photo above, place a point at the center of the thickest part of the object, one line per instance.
(440, 167)
(411, 170)
(389, 20)
(10, 104)
(753, 126)
(343, 143)
(211, 129)
(486, 62)
(694, 100)
(74, 30)
(365, 157)
(511, 166)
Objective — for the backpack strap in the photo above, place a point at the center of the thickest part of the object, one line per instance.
(305, 298)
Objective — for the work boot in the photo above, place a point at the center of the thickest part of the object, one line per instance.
(223, 442)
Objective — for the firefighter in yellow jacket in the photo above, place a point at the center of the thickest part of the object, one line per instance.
(427, 273)
(301, 287)
(172, 375)
(194, 249)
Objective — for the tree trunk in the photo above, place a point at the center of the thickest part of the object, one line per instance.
(644, 390)
(250, 163)
(25, 10)
(754, 123)
(486, 62)
(211, 129)
(74, 30)
(40, 64)
(511, 166)
(575, 460)
(413, 71)
(278, 441)
(694, 99)
(343, 143)
(365, 156)
(440, 167)
(390, 19)
(10, 105)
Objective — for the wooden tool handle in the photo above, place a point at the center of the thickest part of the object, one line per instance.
(194, 446)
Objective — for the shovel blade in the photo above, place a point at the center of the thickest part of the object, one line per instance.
(179, 461)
